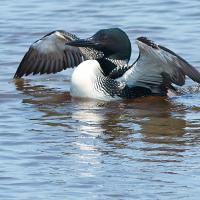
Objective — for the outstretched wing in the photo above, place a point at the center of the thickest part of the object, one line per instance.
(157, 68)
(50, 54)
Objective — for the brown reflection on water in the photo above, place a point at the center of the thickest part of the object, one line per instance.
(157, 120)
(41, 94)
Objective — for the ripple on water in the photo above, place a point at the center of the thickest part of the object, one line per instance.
(54, 146)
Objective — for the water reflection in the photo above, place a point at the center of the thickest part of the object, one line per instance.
(153, 117)
(141, 141)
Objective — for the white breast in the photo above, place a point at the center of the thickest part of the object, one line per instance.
(83, 79)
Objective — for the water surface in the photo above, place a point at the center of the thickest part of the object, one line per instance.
(53, 146)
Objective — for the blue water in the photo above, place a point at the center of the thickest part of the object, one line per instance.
(53, 146)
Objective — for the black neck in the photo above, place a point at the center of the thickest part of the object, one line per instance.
(106, 66)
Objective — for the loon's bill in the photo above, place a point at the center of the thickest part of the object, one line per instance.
(153, 73)
(55, 52)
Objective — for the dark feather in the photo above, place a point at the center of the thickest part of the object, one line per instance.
(50, 54)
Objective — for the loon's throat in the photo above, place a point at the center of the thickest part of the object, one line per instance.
(107, 66)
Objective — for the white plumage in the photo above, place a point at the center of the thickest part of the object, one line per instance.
(84, 80)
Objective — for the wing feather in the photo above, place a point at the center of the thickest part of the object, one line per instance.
(50, 54)
(154, 64)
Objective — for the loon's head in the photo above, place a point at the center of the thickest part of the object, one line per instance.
(113, 42)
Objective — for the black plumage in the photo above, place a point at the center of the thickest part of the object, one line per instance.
(60, 50)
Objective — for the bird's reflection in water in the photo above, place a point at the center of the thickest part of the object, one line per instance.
(40, 94)
(150, 124)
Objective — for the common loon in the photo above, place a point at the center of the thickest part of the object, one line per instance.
(153, 73)
(106, 74)
(52, 54)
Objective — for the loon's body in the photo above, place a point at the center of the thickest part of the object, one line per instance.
(153, 73)
(90, 84)
(106, 75)
(94, 84)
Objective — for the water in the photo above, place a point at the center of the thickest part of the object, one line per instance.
(53, 146)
